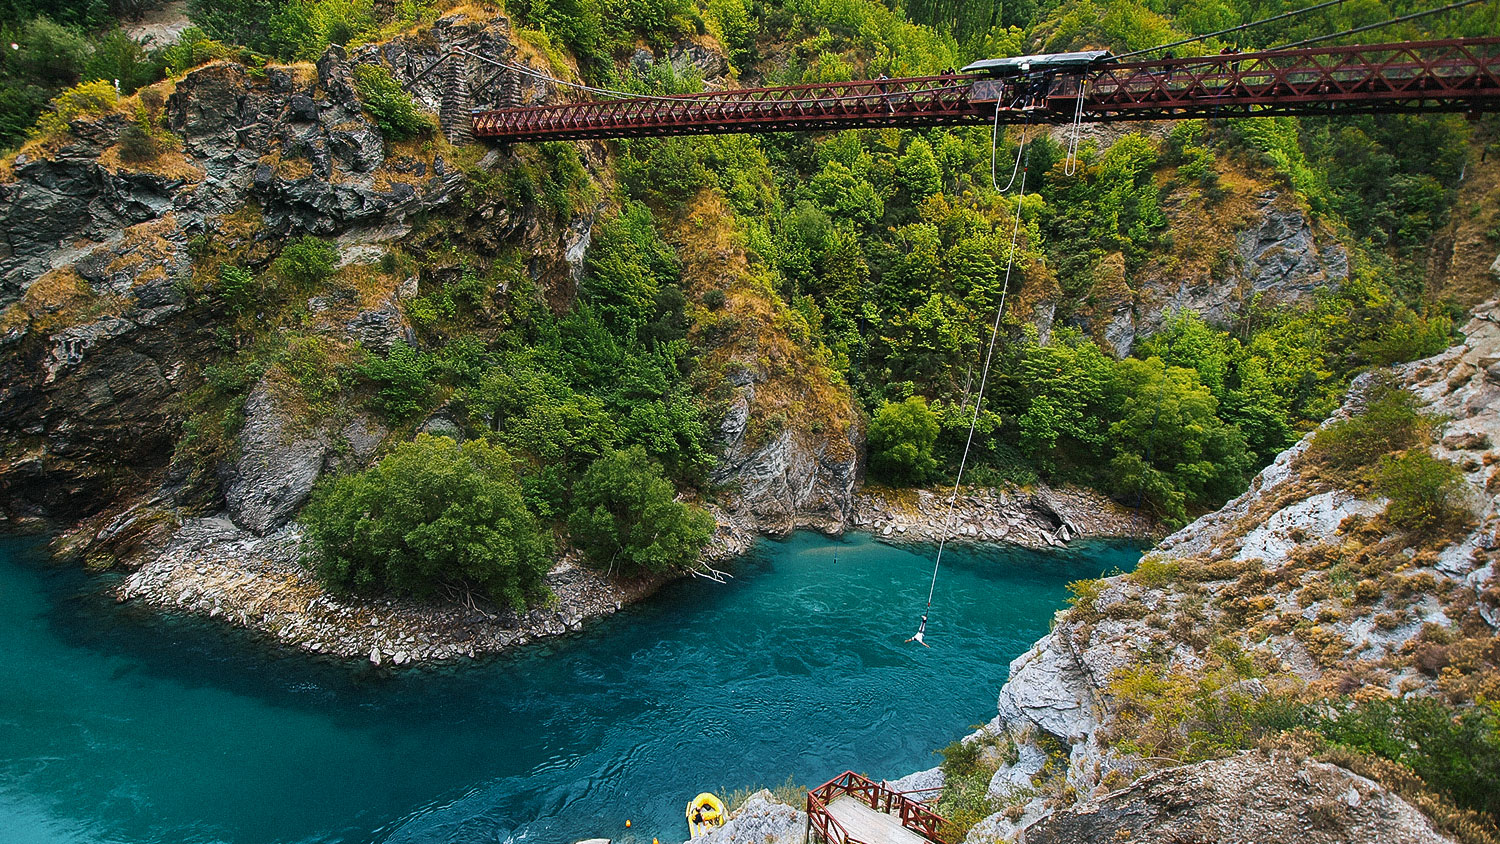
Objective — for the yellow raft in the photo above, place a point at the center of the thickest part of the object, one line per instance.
(704, 813)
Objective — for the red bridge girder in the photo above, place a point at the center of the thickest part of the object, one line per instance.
(1446, 75)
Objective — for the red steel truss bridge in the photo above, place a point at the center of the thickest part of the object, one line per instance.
(1417, 76)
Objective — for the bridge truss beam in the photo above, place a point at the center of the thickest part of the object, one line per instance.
(1426, 76)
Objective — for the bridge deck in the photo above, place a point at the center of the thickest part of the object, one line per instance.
(1416, 76)
(869, 825)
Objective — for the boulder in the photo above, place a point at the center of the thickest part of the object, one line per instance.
(1050, 690)
(277, 465)
(1254, 797)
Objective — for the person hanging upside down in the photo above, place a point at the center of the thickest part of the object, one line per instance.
(920, 638)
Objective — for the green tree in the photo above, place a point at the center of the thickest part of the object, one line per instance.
(1067, 384)
(1170, 441)
(902, 436)
(629, 266)
(434, 516)
(404, 381)
(917, 172)
(626, 518)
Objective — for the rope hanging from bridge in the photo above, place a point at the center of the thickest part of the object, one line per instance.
(1070, 164)
(994, 147)
(984, 375)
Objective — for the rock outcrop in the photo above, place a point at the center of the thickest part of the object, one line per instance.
(761, 820)
(1277, 256)
(1259, 243)
(794, 481)
(1038, 516)
(276, 468)
(1242, 800)
(99, 332)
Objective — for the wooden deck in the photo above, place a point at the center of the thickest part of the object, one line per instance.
(852, 809)
(869, 825)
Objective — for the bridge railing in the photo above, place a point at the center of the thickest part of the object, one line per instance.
(930, 98)
(913, 815)
(1331, 75)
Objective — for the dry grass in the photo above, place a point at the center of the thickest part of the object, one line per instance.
(169, 163)
(60, 299)
(146, 243)
(796, 387)
(234, 239)
(1202, 233)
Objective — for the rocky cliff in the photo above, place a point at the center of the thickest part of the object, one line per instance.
(1253, 579)
(110, 333)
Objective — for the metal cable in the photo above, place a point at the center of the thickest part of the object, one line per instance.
(1070, 164)
(1241, 27)
(1367, 27)
(995, 143)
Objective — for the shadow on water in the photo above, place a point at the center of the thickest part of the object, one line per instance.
(134, 727)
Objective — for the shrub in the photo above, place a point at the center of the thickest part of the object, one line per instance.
(404, 381)
(1457, 753)
(1084, 594)
(901, 439)
(1389, 422)
(394, 110)
(1425, 493)
(89, 99)
(1154, 572)
(305, 262)
(140, 141)
(433, 517)
(236, 287)
(625, 517)
(192, 48)
(118, 56)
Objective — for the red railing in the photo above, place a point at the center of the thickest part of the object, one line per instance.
(1447, 75)
(912, 814)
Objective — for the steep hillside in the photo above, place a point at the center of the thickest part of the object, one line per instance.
(1326, 613)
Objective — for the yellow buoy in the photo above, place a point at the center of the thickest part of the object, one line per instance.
(704, 813)
(627, 823)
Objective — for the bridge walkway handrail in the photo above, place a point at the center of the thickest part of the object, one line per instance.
(912, 814)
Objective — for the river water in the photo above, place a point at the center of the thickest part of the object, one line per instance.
(120, 726)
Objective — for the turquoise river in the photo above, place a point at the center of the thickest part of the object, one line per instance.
(121, 726)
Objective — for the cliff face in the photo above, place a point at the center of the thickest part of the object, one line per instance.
(1257, 242)
(110, 325)
(103, 328)
(1253, 578)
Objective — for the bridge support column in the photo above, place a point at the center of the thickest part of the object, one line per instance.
(454, 115)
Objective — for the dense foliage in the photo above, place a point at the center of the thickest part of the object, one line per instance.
(627, 519)
(393, 109)
(901, 438)
(433, 517)
(884, 252)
